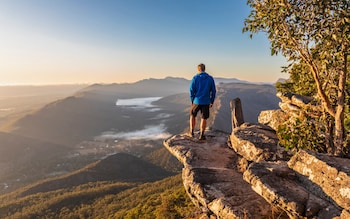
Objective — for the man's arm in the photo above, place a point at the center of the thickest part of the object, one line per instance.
(192, 90)
(213, 92)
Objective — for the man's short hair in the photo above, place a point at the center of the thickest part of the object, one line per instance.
(201, 66)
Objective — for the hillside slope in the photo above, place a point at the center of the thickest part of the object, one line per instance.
(24, 159)
(116, 168)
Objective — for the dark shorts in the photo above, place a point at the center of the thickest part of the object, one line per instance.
(203, 108)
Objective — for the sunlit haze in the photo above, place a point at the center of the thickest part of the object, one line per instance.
(89, 41)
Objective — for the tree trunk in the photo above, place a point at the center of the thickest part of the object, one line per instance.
(339, 116)
(339, 133)
(329, 133)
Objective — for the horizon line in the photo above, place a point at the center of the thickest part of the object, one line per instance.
(91, 83)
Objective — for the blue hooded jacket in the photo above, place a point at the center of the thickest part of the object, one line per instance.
(202, 89)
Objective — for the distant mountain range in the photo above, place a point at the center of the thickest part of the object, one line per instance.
(92, 110)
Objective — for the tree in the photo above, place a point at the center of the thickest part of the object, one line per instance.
(316, 34)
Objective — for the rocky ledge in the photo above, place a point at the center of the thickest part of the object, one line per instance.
(212, 177)
(246, 174)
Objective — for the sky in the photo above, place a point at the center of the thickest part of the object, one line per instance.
(124, 41)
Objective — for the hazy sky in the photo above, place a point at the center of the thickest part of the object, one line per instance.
(116, 41)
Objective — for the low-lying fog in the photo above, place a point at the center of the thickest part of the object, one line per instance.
(139, 103)
(148, 131)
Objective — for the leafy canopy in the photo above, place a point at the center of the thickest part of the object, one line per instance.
(314, 36)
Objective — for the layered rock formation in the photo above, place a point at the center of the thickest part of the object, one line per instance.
(246, 174)
(213, 179)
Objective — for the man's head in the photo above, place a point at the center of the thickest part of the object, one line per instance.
(201, 67)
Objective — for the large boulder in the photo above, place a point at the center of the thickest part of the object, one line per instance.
(330, 176)
(257, 142)
(291, 106)
(279, 186)
(272, 118)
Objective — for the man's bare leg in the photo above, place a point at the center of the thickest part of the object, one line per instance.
(192, 124)
(203, 127)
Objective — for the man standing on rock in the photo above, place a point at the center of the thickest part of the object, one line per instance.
(202, 95)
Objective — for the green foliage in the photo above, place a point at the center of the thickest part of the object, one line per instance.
(300, 81)
(162, 199)
(302, 133)
(169, 204)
